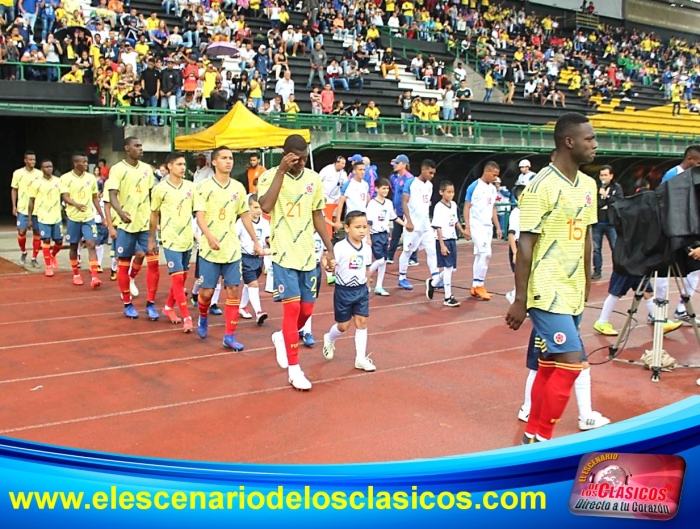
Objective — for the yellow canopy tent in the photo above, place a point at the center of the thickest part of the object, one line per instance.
(239, 130)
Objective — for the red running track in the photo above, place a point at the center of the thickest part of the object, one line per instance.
(75, 372)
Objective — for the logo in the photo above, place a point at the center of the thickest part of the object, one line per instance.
(589, 199)
(42, 233)
(426, 199)
(559, 338)
(356, 262)
(310, 189)
(170, 264)
(200, 280)
(188, 194)
(280, 289)
(68, 239)
(619, 485)
(119, 250)
(234, 197)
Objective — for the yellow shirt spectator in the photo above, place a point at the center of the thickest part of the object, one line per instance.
(372, 114)
(488, 80)
(408, 9)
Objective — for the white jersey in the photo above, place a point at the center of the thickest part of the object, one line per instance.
(98, 216)
(445, 217)
(262, 234)
(514, 223)
(356, 194)
(524, 178)
(332, 181)
(379, 215)
(318, 247)
(482, 197)
(420, 194)
(351, 263)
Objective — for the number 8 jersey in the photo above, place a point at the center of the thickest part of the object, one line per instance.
(291, 218)
(559, 211)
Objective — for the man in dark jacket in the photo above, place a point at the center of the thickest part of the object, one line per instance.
(610, 191)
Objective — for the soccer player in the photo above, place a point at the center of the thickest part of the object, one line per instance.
(446, 223)
(129, 185)
(351, 294)
(219, 201)
(305, 333)
(480, 216)
(296, 211)
(45, 206)
(354, 193)
(23, 179)
(102, 230)
(418, 235)
(78, 189)
(397, 180)
(253, 264)
(553, 268)
(172, 200)
(380, 212)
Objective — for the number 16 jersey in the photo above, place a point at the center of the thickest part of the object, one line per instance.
(559, 211)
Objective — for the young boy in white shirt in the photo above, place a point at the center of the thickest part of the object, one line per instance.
(380, 212)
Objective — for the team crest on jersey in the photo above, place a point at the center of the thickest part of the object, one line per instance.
(559, 338)
(188, 194)
(589, 199)
(310, 189)
(280, 289)
(170, 264)
(356, 262)
(234, 197)
(119, 250)
(68, 239)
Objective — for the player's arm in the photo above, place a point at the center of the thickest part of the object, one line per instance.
(320, 227)
(114, 201)
(268, 200)
(98, 206)
(443, 248)
(108, 221)
(339, 212)
(407, 224)
(202, 223)
(65, 196)
(248, 225)
(587, 259)
(494, 218)
(30, 212)
(467, 208)
(13, 194)
(153, 227)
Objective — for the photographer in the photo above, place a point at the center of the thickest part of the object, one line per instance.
(609, 192)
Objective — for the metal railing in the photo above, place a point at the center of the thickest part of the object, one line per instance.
(43, 69)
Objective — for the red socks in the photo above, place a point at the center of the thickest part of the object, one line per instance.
(123, 280)
(306, 309)
(46, 250)
(544, 371)
(291, 310)
(177, 292)
(56, 248)
(36, 246)
(152, 278)
(550, 395)
(22, 241)
(135, 268)
(74, 266)
(203, 306)
(231, 314)
(93, 268)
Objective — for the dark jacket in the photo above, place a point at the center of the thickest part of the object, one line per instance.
(604, 204)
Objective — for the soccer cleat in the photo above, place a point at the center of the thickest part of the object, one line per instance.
(130, 311)
(365, 363)
(389, 261)
(510, 296)
(330, 280)
(171, 315)
(451, 302)
(133, 288)
(54, 262)
(527, 440)
(152, 312)
(23, 258)
(100, 270)
(215, 310)
(596, 276)
(684, 317)
(77, 281)
(307, 338)
(328, 348)
(523, 414)
(403, 283)
(244, 314)
(202, 327)
(35, 263)
(605, 328)
(230, 342)
(113, 275)
(187, 325)
(280, 349)
(380, 291)
(299, 381)
(480, 293)
(429, 288)
(194, 300)
(95, 282)
(594, 420)
(671, 326)
(48, 272)
(260, 317)
(413, 263)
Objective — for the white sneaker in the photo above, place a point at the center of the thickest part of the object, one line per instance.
(298, 380)
(510, 296)
(365, 364)
(245, 314)
(280, 349)
(328, 348)
(594, 420)
(523, 414)
(133, 288)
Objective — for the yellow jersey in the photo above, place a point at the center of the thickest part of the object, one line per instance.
(133, 185)
(222, 205)
(23, 181)
(176, 205)
(371, 114)
(81, 190)
(291, 218)
(559, 211)
(46, 193)
(434, 112)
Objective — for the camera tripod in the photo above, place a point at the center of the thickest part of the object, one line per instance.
(660, 317)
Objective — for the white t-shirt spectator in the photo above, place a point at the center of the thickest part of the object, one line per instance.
(356, 194)
(379, 215)
(332, 181)
(445, 217)
(284, 88)
(482, 197)
(130, 57)
(351, 263)
(524, 178)
(420, 194)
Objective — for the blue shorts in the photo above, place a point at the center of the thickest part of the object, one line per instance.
(102, 234)
(449, 260)
(50, 231)
(252, 268)
(130, 243)
(22, 221)
(319, 275)
(349, 302)
(535, 348)
(113, 252)
(380, 245)
(620, 285)
(77, 231)
(560, 332)
(290, 284)
(209, 273)
(177, 261)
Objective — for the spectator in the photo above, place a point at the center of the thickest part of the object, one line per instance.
(291, 107)
(488, 85)
(318, 60)
(404, 102)
(389, 64)
(372, 112)
(285, 87)
(448, 107)
(333, 176)
(352, 74)
(335, 74)
(316, 102)
(327, 99)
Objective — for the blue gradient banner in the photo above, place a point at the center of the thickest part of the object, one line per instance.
(527, 486)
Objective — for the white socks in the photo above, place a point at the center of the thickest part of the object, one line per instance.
(608, 308)
(447, 281)
(217, 292)
(334, 333)
(100, 253)
(378, 266)
(527, 403)
(404, 258)
(360, 343)
(582, 389)
(481, 266)
(254, 294)
(651, 307)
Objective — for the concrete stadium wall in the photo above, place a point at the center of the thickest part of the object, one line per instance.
(605, 8)
(651, 13)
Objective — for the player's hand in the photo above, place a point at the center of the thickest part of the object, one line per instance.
(337, 225)
(213, 242)
(257, 250)
(695, 254)
(30, 224)
(499, 233)
(112, 233)
(467, 233)
(289, 160)
(152, 247)
(515, 258)
(81, 207)
(330, 261)
(14, 211)
(126, 219)
(443, 250)
(516, 315)
(409, 226)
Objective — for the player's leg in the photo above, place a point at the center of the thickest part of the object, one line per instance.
(245, 299)
(690, 284)
(380, 248)
(269, 280)
(22, 221)
(46, 249)
(360, 314)
(305, 332)
(252, 270)
(535, 348)
(114, 265)
(73, 233)
(102, 239)
(481, 236)
(136, 265)
(342, 314)
(152, 274)
(125, 248)
(197, 283)
(587, 418)
(209, 274)
(36, 241)
(214, 307)
(231, 273)
(89, 236)
(510, 296)
(411, 242)
(175, 263)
